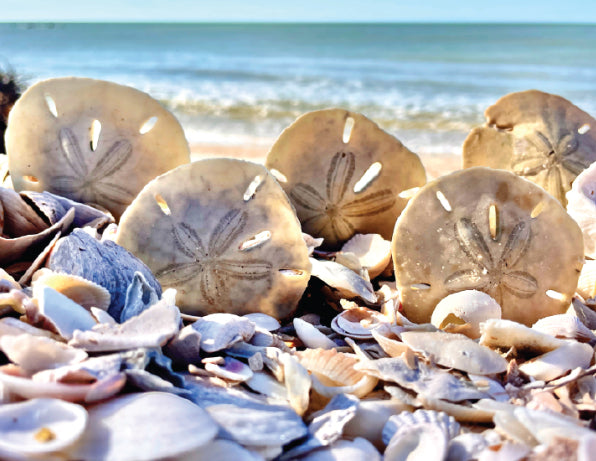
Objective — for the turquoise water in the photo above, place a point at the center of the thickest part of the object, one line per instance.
(234, 83)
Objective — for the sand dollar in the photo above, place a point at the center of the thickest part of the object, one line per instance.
(539, 136)
(224, 234)
(492, 231)
(91, 141)
(343, 174)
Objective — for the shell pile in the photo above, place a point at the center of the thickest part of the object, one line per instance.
(199, 322)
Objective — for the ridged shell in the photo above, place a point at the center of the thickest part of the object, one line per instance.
(565, 326)
(448, 425)
(333, 373)
(358, 322)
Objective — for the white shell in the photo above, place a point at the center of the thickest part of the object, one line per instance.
(346, 450)
(297, 381)
(147, 426)
(264, 321)
(507, 334)
(220, 450)
(24, 424)
(232, 369)
(358, 322)
(372, 250)
(581, 206)
(565, 326)
(470, 307)
(220, 331)
(559, 361)
(346, 281)
(389, 341)
(447, 424)
(586, 285)
(311, 337)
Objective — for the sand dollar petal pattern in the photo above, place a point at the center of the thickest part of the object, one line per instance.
(539, 136)
(224, 234)
(91, 141)
(487, 230)
(343, 174)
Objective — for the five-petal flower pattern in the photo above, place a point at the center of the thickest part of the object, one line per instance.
(329, 216)
(493, 274)
(207, 262)
(92, 185)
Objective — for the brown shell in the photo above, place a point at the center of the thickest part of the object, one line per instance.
(223, 233)
(321, 173)
(528, 259)
(91, 141)
(539, 136)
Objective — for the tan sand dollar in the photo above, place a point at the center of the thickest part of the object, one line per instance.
(539, 136)
(343, 174)
(91, 141)
(224, 234)
(492, 231)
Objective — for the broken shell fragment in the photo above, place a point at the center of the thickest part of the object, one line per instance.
(539, 136)
(581, 206)
(492, 231)
(358, 322)
(372, 250)
(558, 362)
(220, 331)
(586, 285)
(90, 140)
(505, 334)
(231, 369)
(310, 336)
(565, 326)
(224, 244)
(343, 174)
(345, 281)
(464, 311)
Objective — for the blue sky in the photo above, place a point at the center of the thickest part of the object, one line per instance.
(302, 10)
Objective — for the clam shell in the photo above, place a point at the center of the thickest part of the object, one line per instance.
(358, 322)
(565, 326)
(346, 281)
(344, 162)
(473, 231)
(39, 427)
(372, 250)
(263, 321)
(311, 337)
(220, 331)
(148, 426)
(333, 373)
(231, 369)
(471, 307)
(558, 362)
(91, 141)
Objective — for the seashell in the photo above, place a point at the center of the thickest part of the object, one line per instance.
(35, 353)
(231, 369)
(586, 285)
(140, 295)
(462, 413)
(220, 450)
(104, 263)
(88, 371)
(491, 386)
(485, 240)
(340, 161)
(263, 321)
(297, 381)
(220, 331)
(539, 136)
(358, 322)
(466, 446)
(58, 312)
(466, 308)
(39, 260)
(311, 242)
(347, 450)
(311, 337)
(506, 334)
(152, 328)
(265, 384)
(581, 207)
(10, 326)
(565, 326)
(164, 425)
(506, 451)
(372, 250)
(185, 347)
(263, 426)
(389, 341)
(98, 135)
(13, 380)
(455, 351)
(558, 362)
(39, 427)
(18, 217)
(586, 315)
(223, 232)
(102, 316)
(333, 373)
(345, 281)
(447, 424)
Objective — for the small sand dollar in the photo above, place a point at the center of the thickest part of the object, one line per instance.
(224, 234)
(492, 231)
(91, 141)
(344, 174)
(539, 136)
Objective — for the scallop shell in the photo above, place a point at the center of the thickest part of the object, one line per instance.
(224, 234)
(539, 136)
(333, 373)
(468, 307)
(565, 326)
(90, 140)
(82, 291)
(447, 424)
(488, 230)
(38, 427)
(343, 174)
(372, 250)
(358, 322)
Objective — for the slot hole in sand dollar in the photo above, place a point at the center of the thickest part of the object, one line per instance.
(278, 175)
(148, 125)
(494, 222)
(537, 210)
(291, 272)
(252, 188)
(368, 177)
(256, 241)
(420, 286)
(553, 294)
(443, 201)
(51, 105)
(583, 129)
(348, 127)
(94, 131)
(408, 193)
(31, 179)
(163, 205)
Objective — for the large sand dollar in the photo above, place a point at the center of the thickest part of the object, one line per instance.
(344, 174)
(539, 136)
(91, 141)
(223, 233)
(488, 230)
